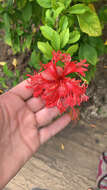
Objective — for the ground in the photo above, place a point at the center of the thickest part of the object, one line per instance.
(70, 166)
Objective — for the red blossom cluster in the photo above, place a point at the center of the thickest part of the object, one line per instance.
(55, 86)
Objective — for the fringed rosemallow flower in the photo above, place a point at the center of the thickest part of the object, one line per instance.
(56, 86)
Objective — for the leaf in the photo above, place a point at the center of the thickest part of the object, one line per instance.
(58, 11)
(51, 35)
(89, 53)
(89, 74)
(64, 37)
(7, 71)
(15, 82)
(103, 14)
(44, 3)
(45, 48)
(67, 3)
(1, 91)
(72, 49)
(2, 63)
(55, 41)
(98, 44)
(28, 41)
(14, 63)
(47, 32)
(1, 9)
(90, 24)
(74, 36)
(27, 12)
(105, 43)
(19, 31)
(78, 9)
(62, 146)
(17, 73)
(92, 7)
(6, 20)
(49, 18)
(63, 23)
(35, 60)
(85, 1)
(21, 4)
(16, 43)
(8, 38)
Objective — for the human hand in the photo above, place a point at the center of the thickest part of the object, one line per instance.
(24, 126)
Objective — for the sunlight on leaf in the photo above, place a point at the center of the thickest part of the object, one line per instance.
(1, 91)
(14, 63)
(92, 7)
(105, 43)
(2, 63)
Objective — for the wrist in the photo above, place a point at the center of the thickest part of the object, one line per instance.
(10, 163)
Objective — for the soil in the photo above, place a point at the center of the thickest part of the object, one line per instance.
(96, 107)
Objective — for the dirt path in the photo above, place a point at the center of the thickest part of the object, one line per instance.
(73, 168)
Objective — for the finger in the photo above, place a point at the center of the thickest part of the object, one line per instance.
(48, 132)
(45, 116)
(35, 104)
(22, 91)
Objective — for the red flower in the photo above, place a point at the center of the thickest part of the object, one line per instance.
(56, 88)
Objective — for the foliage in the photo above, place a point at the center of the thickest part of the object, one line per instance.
(72, 26)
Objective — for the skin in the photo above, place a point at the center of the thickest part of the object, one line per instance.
(25, 124)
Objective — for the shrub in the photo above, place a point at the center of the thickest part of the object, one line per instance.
(41, 26)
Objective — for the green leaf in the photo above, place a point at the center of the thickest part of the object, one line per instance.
(74, 36)
(89, 53)
(28, 41)
(66, 2)
(103, 14)
(6, 20)
(15, 82)
(53, 3)
(98, 44)
(21, 4)
(17, 73)
(35, 60)
(7, 72)
(72, 49)
(55, 41)
(51, 35)
(50, 21)
(45, 48)
(1, 9)
(78, 9)
(27, 12)
(7, 38)
(58, 11)
(2, 79)
(16, 44)
(89, 74)
(64, 37)
(84, 1)
(63, 23)
(44, 3)
(19, 31)
(71, 20)
(47, 32)
(90, 24)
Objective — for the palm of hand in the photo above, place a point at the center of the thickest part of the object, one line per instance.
(21, 119)
(20, 124)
